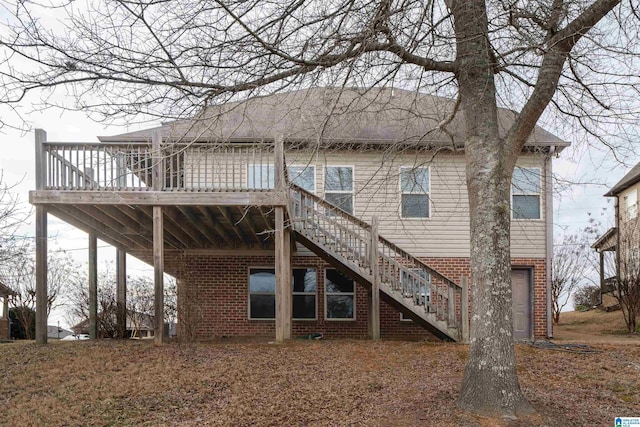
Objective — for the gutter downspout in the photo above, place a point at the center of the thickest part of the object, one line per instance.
(548, 194)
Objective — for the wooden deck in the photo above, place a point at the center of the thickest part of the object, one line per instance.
(148, 198)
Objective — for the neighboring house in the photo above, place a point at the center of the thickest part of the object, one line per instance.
(624, 238)
(5, 323)
(56, 332)
(138, 325)
(364, 232)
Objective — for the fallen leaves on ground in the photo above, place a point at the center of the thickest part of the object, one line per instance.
(315, 383)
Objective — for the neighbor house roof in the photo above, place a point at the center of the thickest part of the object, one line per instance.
(632, 177)
(607, 241)
(5, 290)
(334, 115)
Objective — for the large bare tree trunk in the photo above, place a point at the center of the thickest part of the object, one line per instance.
(490, 382)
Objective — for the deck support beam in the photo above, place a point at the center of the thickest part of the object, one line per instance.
(93, 286)
(283, 278)
(158, 275)
(121, 293)
(41, 275)
(374, 295)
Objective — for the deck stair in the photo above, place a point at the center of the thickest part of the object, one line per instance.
(353, 246)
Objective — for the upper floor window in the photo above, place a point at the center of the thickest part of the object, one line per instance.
(303, 176)
(338, 187)
(525, 193)
(414, 189)
(631, 204)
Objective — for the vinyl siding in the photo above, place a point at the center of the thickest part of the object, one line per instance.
(446, 232)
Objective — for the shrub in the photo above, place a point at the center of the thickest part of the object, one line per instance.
(586, 296)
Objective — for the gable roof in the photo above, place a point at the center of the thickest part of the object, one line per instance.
(334, 115)
(5, 290)
(632, 177)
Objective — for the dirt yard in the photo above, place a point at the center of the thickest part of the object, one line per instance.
(316, 383)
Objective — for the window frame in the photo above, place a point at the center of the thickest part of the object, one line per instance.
(307, 166)
(315, 295)
(249, 293)
(352, 192)
(538, 194)
(427, 193)
(327, 294)
(633, 208)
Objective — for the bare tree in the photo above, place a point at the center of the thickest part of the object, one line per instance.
(140, 300)
(12, 216)
(171, 58)
(18, 272)
(572, 264)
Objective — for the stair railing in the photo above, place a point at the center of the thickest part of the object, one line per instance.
(348, 239)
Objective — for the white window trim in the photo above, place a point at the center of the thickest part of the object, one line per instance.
(249, 293)
(315, 175)
(353, 180)
(633, 208)
(428, 194)
(326, 294)
(539, 194)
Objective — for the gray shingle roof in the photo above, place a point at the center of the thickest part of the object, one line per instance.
(334, 115)
(627, 181)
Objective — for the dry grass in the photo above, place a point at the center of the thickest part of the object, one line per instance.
(301, 383)
(594, 327)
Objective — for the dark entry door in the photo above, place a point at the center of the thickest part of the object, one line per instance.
(521, 280)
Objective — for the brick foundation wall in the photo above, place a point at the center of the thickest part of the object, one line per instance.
(4, 329)
(213, 299)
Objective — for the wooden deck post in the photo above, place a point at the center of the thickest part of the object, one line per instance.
(41, 275)
(158, 275)
(41, 241)
(374, 297)
(93, 286)
(283, 279)
(464, 310)
(279, 163)
(121, 293)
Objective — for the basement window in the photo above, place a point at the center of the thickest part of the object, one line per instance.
(262, 293)
(525, 193)
(339, 296)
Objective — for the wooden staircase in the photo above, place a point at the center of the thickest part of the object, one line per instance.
(354, 247)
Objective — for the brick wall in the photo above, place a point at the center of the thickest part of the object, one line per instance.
(4, 329)
(213, 299)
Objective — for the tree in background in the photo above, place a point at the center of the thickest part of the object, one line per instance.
(172, 58)
(140, 303)
(586, 297)
(572, 264)
(18, 272)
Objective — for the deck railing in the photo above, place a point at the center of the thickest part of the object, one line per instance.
(180, 166)
(349, 239)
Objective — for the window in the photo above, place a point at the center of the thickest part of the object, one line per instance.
(261, 177)
(304, 293)
(303, 176)
(525, 193)
(414, 189)
(262, 293)
(631, 204)
(338, 187)
(339, 296)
